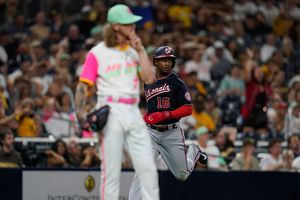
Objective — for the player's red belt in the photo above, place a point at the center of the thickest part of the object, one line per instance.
(122, 100)
(162, 128)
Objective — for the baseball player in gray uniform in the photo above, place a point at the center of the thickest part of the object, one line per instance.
(168, 100)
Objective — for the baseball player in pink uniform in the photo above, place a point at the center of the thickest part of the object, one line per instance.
(113, 65)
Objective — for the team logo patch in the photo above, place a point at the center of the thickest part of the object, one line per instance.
(168, 50)
(129, 11)
(187, 96)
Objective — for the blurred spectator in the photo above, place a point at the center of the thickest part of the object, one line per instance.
(212, 109)
(38, 51)
(74, 39)
(58, 25)
(58, 155)
(257, 93)
(199, 114)
(11, 121)
(90, 157)
(244, 7)
(19, 28)
(269, 10)
(225, 145)
(40, 30)
(242, 38)
(296, 99)
(296, 163)
(162, 20)
(294, 145)
(232, 95)
(63, 66)
(292, 121)
(262, 25)
(290, 57)
(75, 154)
(246, 159)
(292, 9)
(181, 12)
(274, 160)
(9, 157)
(233, 84)
(220, 58)
(84, 23)
(195, 86)
(215, 161)
(57, 122)
(268, 48)
(25, 67)
(197, 64)
(276, 115)
(294, 85)
(282, 23)
(29, 121)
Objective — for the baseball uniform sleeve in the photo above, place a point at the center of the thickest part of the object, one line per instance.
(183, 95)
(90, 68)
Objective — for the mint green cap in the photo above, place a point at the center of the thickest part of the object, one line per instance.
(121, 14)
(201, 130)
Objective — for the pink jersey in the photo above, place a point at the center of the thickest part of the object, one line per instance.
(114, 71)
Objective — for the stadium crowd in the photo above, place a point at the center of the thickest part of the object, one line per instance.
(240, 60)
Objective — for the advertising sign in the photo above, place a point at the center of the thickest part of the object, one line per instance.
(68, 185)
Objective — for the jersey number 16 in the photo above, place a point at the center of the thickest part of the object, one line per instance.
(163, 102)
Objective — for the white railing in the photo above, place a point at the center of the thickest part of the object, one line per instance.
(94, 141)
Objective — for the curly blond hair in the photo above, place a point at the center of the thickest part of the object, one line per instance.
(109, 36)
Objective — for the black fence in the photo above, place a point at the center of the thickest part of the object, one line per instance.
(232, 186)
(202, 185)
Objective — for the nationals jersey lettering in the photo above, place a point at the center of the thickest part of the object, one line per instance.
(167, 94)
(156, 91)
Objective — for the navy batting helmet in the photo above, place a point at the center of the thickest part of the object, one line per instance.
(164, 52)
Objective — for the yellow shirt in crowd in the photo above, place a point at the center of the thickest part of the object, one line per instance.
(181, 13)
(27, 127)
(203, 119)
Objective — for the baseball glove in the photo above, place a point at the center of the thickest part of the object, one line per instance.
(98, 118)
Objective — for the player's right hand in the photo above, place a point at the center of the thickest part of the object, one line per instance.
(83, 123)
(135, 41)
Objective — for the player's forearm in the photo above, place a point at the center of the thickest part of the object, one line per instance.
(80, 99)
(182, 111)
(147, 70)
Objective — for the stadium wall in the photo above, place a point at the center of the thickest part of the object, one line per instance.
(79, 184)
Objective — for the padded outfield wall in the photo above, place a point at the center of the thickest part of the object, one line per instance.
(79, 184)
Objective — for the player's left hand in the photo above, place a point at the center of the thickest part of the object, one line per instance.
(157, 117)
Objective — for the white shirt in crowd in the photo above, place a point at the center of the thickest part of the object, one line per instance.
(202, 68)
(213, 154)
(61, 124)
(296, 163)
(270, 12)
(268, 160)
(242, 9)
(266, 52)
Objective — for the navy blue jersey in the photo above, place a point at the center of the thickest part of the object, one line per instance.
(167, 94)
